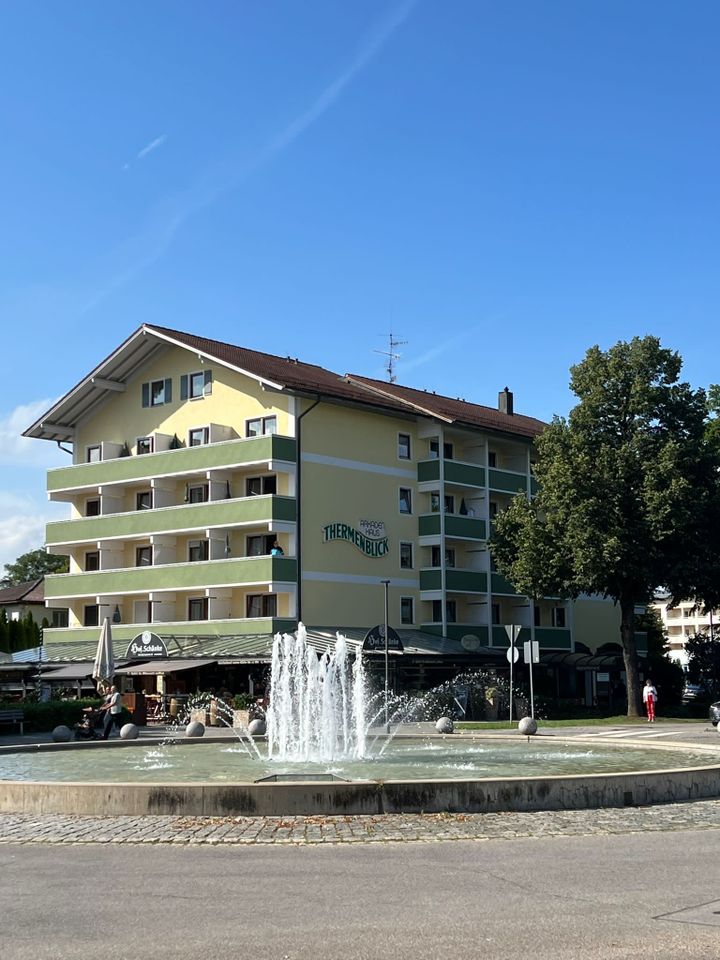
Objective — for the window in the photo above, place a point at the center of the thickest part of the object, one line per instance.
(94, 454)
(193, 386)
(59, 618)
(256, 486)
(143, 500)
(199, 436)
(536, 615)
(144, 445)
(261, 605)
(493, 509)
(449, 503)
(156, 393)
(435, 450)
(406, 556)
(407, 612)
(198, 493)
(198, 608)
(493, 564)
(435, 502)
(405, 500)
(260, 426)
(451, 611)
(143, 556)
(404, 446)
(260, 545)
(92, 508)
(558, 616)
(143, 611)
(435, 557)
(92, 560)
(198, 550)
(495, 613)
(492, 458)
(91, 615)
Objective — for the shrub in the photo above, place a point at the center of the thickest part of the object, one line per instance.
(43, 717)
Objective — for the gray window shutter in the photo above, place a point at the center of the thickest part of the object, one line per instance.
(207, 388)
(168, 391)
(146, 394)
(184, 387)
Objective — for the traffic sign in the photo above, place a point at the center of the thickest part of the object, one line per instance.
(513, 654)
(531, 651)
(513, 632)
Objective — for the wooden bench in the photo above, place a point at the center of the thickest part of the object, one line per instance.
(13, 716)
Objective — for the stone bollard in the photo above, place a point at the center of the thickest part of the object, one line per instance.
(62, 734)
(195, 729)
(527, 726)
(257, 727)
(445, 725)
(129, 732)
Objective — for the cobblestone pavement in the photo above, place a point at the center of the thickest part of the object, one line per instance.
(698, 815)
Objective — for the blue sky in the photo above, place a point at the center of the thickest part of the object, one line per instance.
(502, 185)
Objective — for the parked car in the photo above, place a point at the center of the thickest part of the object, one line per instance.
(691, 691)
(715, 713)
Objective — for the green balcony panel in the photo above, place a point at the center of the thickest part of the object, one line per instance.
(172, 576)
(210, 456)
(465, 528)
(428, 470)
(186, 517)
(466, 474)
(430, 580)
(499, 584)
(507, 482)
(123, 633)
(429, 525)
(466, 581)
(549, 638)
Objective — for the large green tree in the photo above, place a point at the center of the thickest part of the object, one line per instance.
(31, 566)
(628, 492)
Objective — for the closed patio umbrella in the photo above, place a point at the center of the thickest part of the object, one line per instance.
(104, 665)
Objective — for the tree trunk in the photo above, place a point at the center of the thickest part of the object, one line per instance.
(627, 636)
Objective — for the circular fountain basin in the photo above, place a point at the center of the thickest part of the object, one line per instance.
(411, 775)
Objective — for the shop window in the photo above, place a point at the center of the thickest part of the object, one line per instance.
(198, 436)
(91, 615)
(143, 500)
(260, 545)
(156, 392)
(407, 610)
(94, 453)
(92, 560)
(92, 508)
(199, 493)
(258, 486)
(194, 386)
(198, 608)
(144, 445)
(260, 426)
(405, 500)
(406, 556)
(198, 550)
(143, 556)
(404, 446)
(261, 605)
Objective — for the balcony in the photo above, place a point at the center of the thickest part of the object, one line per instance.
(172, 576)
(184, 518)
(460, 527)
(210, 456)
(456, 631)
(455, 471)
(498, 584)
(458, 581)
(549, 638)
(507, 481)
(123, 633)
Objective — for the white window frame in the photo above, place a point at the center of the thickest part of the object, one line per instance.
(264, 422)
(206, 436)
(411, 565)
(411, 601)
(148, 440)
(401, 446)
(90, 450)
(408, 512)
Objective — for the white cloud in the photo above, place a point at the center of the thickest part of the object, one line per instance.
(19, 451)
(22, 525)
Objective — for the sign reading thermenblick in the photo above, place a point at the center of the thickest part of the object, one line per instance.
(370, 539)
(147, 644)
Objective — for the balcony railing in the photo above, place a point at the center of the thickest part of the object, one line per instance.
(460, 527)
(183, 518)
(549, 638)
(455, 471)
(459, 581)
(225, 454)
(123, 633)
(172, 576)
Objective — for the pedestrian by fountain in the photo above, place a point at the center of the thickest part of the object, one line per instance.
(113, 712)
(649, 699)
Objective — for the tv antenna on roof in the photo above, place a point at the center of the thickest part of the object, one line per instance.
(392, 356)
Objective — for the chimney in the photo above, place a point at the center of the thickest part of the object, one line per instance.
(505, 401)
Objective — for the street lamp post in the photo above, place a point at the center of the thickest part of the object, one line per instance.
(386, 584)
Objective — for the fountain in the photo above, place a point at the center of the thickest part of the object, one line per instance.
(325, 724)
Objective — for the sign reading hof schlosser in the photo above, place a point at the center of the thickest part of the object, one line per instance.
(147, 645)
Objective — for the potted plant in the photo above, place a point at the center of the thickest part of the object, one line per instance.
(241, 710)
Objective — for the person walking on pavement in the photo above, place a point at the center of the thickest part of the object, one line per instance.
(113, 711)
(649, 699)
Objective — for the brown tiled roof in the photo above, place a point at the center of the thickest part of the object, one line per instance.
(33, 591)
(292, 374)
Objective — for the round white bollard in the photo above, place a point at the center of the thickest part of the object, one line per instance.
(195, 729)
(129, 732)
(62, 734)
(257, 727)
(445, 725)
(527, 726)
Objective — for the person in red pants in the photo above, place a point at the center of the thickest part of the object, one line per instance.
(649, 699)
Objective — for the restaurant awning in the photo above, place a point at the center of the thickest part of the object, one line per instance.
(153, 667)
(73, 671)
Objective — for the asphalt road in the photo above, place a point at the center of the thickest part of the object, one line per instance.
(646, 897)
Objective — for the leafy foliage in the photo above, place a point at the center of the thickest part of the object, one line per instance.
(32, 566)
(704, 663)
(19, 634)
(628, 492)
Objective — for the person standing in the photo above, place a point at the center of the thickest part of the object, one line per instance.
(649, 699)
(113, 712)
(277, 550)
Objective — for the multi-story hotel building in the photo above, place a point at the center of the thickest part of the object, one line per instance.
(682, 621)
(191, 458)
